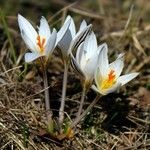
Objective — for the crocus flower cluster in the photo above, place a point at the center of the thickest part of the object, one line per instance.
(88, 59)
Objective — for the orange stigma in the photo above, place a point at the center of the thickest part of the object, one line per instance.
(109, 81)
(40, 43)
(111, 76)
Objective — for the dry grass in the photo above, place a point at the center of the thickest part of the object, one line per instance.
(121, 121)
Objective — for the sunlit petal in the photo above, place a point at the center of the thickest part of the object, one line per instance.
(103, 60)
(83, 25)
(110, 90)
(117, 66)
(44, 29)
(79, 53)
(30, 44)
(50, 45)
(126, 78)
(90, 45)
(89, 67)
(27, 28)
(72, 28)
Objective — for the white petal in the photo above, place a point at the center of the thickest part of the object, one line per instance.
(95, 89)
(30, 44)
(126, 78)
(90, 45)
(72, 25)
(63, 30)
(64, 43)
(76, 66)
(25, 26)
(83, 60)
(44, 29)
(83, 25)
(72, 28)
(114, 88)
(79, 53)
(90, 67)
(67, 18)
(103, 60)
(31, 57)
(79, 38)
(117, 66)
(100, 47)
(50, 45)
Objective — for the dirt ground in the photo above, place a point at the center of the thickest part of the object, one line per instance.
(120, 121)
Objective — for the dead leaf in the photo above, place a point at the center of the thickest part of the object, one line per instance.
(137, 44)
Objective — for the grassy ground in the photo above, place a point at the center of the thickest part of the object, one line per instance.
(120, 121)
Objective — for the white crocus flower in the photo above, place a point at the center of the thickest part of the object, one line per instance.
(107, 76)
(41, 43)
(87, 57)
(71, 39)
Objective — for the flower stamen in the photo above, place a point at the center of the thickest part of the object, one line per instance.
(41, 43)
(109, 81)
(111, 76)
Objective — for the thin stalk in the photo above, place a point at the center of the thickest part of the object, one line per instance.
(47, 98)
(86, 111)
(64, 87)
(84, 91)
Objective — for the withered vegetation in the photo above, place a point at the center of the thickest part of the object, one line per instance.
(120, 121)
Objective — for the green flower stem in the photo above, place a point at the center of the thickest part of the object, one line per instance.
(77, 120)
(62, 105)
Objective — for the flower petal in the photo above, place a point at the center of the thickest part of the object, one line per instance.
(64, 43)
(90, 45)
(79, 53)
(50, 45)
(114, 88)
(76, 66)
(100, 47)
(126, 78)
(79, 38)
(44, 29)
(98, 79)
(27, 28)
(72, 28)
(117, 66)
(30, 44)
(63, 30)
(90, 67)
(95, 88)
(31, 57)
(83, 25)
(103, 60)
